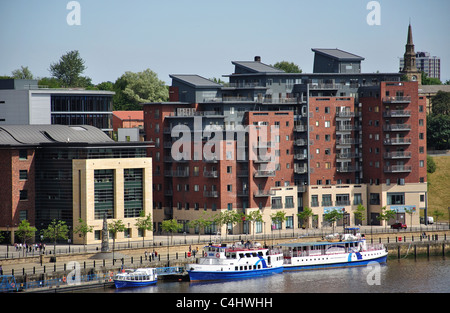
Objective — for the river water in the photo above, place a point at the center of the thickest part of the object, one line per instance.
(423, 275)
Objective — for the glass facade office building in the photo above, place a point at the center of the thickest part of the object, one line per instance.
(82, 109)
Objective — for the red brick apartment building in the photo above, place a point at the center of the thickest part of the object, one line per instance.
(17, 188)
(338, 139)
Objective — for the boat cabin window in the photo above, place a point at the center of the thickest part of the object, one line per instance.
(241, 255)
(260, 253)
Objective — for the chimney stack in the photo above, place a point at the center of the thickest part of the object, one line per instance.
(257, 58)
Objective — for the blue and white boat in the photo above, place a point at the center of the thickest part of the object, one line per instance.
(347, 251)
(136, 278)
(222, 262)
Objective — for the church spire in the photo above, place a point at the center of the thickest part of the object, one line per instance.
(410, 38)
(409, 64)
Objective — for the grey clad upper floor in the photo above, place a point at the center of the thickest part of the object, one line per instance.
(23, 102)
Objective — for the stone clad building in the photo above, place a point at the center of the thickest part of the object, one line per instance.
(71, 172)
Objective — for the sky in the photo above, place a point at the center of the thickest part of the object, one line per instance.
(204, 36)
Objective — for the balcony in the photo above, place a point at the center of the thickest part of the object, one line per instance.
(210, 160)
(396, 113)
(300, 156)
(260, 173)
(264, 159)
(349, 155)
(210, 174)
(398, 169)
(348, 141)
(301, 142)
(263, 144)
(211, 194)
(301, 128)
(347, 128)
(243, 193)
(348, 169)
(397, 141)
(242, 85)
(263, 193)
(398, 155)
(397, 99)
(346, 114)
(396, 127)
(300, 170)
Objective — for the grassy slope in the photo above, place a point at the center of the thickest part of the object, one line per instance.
(439, 187)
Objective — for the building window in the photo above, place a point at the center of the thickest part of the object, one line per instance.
(289, 202)
(23, 154)
(23, 195)
(395, 198)
(103, 193)
(374, 198)
(277, 203)
(23, 174)
(343, 199)
(314, 200)
(133, 192)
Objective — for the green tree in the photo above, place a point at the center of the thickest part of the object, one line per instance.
(83, 228)
(437, 214)
(69, 69)
(22, 73)
(226, 218)
(201, 223)
(441, 103)
(278, 217)
(360, 213)
(304, 216)
(132, 89)
(171, 226)
(288, 67)
(144, 223)
(333, 216)
(56, 230)
(410, 211)
(385, 215)
(25, 232)
(430, 80)
(114, 228)
(438, 131)
(253, 217)
(431, 165)
(49, 82)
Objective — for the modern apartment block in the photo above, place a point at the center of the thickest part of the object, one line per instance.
(71, 172)
(340, 138)
(431, 65)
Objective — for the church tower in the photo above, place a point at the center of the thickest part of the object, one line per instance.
(410, 68)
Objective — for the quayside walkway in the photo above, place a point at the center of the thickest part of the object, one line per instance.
(96, 267)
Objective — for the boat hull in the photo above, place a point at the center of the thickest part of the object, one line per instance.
(133, 284)
(336, 264)
(198, 275)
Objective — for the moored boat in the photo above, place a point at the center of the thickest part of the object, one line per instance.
(222, 262)
(347, 251)
(135, 278)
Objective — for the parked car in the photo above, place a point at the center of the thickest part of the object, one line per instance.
(399, 226)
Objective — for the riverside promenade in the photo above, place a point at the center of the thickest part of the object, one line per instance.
(165, 251)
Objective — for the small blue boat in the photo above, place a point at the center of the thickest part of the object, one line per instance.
(140, 277)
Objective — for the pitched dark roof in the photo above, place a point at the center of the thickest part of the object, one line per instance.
(338, 54)
(16, 135)
(195, 80)
(257, 67)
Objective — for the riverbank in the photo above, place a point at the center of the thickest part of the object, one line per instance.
(39, 274)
